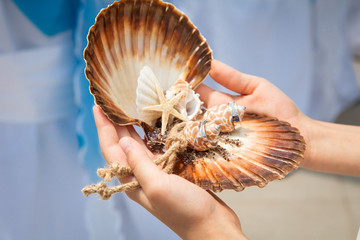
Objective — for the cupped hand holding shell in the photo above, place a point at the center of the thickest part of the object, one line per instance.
(188, 210)
(144, 60)
(258, 95)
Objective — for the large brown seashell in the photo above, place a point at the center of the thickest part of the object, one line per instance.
(261, 150)
(129, 35)
(154, 38)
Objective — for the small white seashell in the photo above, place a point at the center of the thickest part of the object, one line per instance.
(189, 106)
(146, 95)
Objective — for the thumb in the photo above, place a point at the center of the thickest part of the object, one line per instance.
(143, 167)
(233, 80)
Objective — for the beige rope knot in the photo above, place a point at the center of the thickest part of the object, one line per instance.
(105, 192)
(99, 188)
(115, 170)
(175, 143)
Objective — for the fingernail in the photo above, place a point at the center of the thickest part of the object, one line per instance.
(125, 144)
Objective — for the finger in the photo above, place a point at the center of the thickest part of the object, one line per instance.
(128, 131)
(233, 80)
(135, 135)
(112, 152)
(109, 139)
(250, 102)
(212, 97)
(122, 131)
(143, 167)
(106, 130)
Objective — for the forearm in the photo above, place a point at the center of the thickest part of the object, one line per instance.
(333, 148)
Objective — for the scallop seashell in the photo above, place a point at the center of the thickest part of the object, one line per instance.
(132, 34)
(143, 60)
(261, 150)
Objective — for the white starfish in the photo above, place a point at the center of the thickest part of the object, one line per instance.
(152, 102)
(166, 107)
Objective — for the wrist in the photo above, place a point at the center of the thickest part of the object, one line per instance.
(306, 127)
(220, 225)
(315, 141)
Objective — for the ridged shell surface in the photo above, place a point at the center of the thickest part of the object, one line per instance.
(258, 151)
(131, 34)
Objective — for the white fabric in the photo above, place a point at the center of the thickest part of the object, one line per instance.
(120, 218)
(40, 177)
(302, 47)
(40, 182)
(36, 85)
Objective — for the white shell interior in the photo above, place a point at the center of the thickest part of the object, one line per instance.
(135, 46)
(147, 95)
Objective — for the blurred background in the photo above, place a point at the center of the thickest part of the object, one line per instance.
(48, 142)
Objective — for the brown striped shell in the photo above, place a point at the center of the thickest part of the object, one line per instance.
(153, 38)
(132, 34)
(258, 151)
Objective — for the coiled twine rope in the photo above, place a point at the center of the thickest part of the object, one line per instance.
(174, 143)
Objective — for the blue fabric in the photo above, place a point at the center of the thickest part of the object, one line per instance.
(51, 17)
(88, 138)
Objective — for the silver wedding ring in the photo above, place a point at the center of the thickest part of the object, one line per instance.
(202, 129)
(234, 111)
